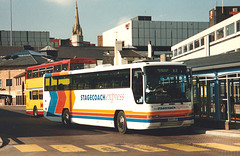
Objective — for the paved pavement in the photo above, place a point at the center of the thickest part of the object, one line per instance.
(217, 132)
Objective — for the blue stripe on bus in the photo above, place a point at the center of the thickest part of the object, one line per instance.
(53, 102)
(48, 74)
(156, 120)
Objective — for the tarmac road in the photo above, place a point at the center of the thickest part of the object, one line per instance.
(22, 134)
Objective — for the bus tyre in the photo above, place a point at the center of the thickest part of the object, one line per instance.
(35, 111)
(66, 120)
(121, 123)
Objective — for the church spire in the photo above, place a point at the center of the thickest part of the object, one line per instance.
(77, 30)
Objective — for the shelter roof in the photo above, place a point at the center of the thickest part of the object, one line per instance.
(225, 60)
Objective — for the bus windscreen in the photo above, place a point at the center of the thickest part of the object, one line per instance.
(167, 85)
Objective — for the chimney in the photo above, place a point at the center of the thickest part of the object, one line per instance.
(117, 56)
(150, 51)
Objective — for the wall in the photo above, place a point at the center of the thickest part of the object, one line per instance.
(16, 88)
(122, 32)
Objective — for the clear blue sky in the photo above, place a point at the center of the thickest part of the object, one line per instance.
(97, 16)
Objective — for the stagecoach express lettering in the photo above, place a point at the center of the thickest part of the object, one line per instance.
(102, 97)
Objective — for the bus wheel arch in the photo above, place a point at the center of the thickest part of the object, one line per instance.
(66, 118)
(120, 121)
(35, 111)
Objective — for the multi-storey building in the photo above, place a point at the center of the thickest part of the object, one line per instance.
(219, 14)
(22, 38)
(163, 34)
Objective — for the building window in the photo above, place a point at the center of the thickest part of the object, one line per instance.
(220, 33)
(175, 52)
(0, 82)
(196, 43)
(212, 37)
(238, 25)
(202, 41)
(190, 46)
(179, 51)
(8, 82)
(230, 29)
(18, 81)
(184, 48)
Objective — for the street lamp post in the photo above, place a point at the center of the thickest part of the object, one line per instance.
(11, 23)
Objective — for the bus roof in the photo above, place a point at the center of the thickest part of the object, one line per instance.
(73, 60)
(125, 66)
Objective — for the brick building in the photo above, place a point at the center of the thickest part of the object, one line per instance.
(12, 74)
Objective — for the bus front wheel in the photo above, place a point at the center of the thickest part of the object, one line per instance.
(121, 122)
(66, 120)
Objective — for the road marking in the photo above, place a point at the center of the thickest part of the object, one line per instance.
(219, 146)
(182, 147)
(106, 148)
(144, 148)
(67, 148)
(29, 148)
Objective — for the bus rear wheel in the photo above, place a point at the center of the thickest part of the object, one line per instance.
(66, 120)
(121, 122)
(35, 112)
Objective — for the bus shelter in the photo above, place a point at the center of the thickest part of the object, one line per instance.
(216, 88)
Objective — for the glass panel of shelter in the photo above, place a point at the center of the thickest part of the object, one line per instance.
(228, 89)
(204, 97)
(229, 92)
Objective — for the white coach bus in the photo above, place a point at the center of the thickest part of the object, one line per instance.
(145, 95)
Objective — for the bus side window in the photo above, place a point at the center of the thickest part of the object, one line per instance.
(35, 73)
(47, 84)
(65, 67)
(57, 68)
(64, 82)
(35, 94)
(53, 86)
(29, 74)
(41, 72)
(137, 85)
(40, 94)
(49, 69)
(30, 95)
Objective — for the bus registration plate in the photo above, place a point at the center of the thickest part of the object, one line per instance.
(173, 119)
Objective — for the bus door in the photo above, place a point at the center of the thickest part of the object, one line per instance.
(137, 85)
